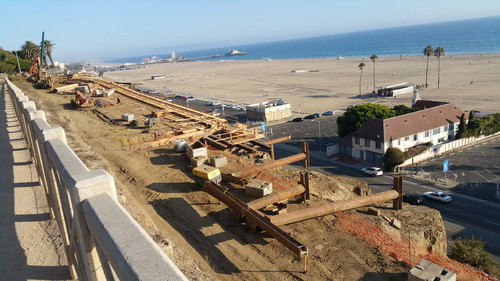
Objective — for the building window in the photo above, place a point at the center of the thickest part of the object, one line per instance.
(415, 137)
(407, 138)
(436, 131)
(399, 142)
(356, 140)
(441, 140)
(427, 133)
(445, 128)
(367, 142)
(451, 127)
(377, 145)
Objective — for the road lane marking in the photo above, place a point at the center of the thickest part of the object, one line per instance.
(482, 176)
(460, 204)
(446, 208)
(492, 222)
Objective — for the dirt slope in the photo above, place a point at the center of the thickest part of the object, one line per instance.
(198, 232)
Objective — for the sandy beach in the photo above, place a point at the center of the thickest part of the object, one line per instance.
(472, 82)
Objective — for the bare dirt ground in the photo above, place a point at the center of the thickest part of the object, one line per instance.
(334, 86)
(200, 234)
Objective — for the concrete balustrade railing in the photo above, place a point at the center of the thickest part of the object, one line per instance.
(101, 240)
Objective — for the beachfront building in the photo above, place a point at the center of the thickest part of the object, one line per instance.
(395, 90)
(269, 111)
(436, 123)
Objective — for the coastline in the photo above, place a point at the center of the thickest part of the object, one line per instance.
(334, 86)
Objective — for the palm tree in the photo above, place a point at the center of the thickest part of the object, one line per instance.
(48, 47)
(427, 52)
(361, 65)
(30, 50)
(373, 58)
(438, 52)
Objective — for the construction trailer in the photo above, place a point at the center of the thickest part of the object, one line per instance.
(269, 111)
(395, 90)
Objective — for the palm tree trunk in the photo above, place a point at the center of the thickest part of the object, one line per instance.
(439, 69)
(361, 76)
(426, 71)
(50, 58)
(374, 76)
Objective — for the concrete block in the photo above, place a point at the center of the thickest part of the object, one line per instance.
(426, 270)
(208, 172)
(21, 99)
(28, 104)
(374, 211)
(218, 161)
(37, 114)
(396, 223)
(196, 149)
(128, 117)
(198, 161)
(259, 188)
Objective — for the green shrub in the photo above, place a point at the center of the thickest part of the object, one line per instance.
(392, 158)
(471, 252)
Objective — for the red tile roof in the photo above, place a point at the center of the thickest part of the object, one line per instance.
(409, 124)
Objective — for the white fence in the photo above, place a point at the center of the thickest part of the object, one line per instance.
(446, 147)
(101, 240)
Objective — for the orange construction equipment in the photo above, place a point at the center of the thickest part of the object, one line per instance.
(81, 101)
(32, 66)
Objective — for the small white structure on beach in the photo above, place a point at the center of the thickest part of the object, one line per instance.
(395, 90)
(269, 111)
(156, 77)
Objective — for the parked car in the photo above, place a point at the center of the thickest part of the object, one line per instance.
(183, 98)
(310, 116)
(413, 199)
(438, 196)
(297, 119)
(350, 106)
(317, 115)
(178, 96)
(189, 98)
(214, 103)
(372, 171)
(329, 112)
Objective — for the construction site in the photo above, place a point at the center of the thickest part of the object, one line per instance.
(212, 194)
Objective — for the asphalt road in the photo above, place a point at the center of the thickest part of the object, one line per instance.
(464, 216)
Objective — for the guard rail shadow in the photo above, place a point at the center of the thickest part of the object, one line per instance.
(101, 239)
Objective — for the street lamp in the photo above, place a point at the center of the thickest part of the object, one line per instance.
(15, 51)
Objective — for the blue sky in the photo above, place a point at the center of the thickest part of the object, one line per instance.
(93, 30)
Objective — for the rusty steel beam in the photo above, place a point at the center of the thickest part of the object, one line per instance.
(276, 196)
(397, 184)
(276, 140)
(269, 165)
(233, 179)
(255, 219)
(324, 210)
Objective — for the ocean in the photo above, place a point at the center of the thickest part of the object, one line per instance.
(472, 36)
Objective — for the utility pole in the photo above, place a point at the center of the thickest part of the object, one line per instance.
(41, 51)
(17, 58)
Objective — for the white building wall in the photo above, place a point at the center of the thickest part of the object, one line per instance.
(403, 144)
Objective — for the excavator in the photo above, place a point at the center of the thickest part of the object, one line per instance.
(37, 76)
(81, 101)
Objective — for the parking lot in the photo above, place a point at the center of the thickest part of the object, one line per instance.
(477, 169)
(318, 131)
